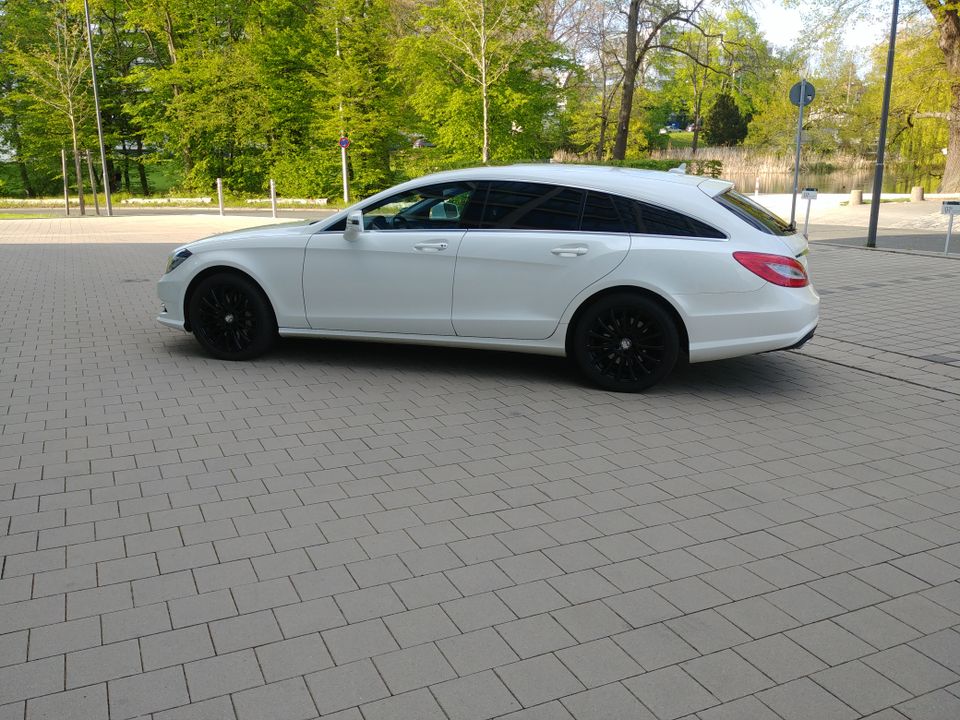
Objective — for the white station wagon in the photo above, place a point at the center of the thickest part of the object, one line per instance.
(623, 271)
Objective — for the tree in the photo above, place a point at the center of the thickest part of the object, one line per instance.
(646, 19)
(724, 124)
(53, 70)
(480, 49)
(946, 14)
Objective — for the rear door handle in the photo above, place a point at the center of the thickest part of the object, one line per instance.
(570, 250)
(430, 246)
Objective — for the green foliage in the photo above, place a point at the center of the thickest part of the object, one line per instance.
(724, 124)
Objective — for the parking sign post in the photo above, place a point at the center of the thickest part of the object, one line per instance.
(344, 143)
(808, 194)
(951, 208)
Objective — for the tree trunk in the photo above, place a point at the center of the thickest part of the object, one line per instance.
(629, 83)
(949, 41)
(76, 162)
(25, 179)
(696, 124)
(141, 169)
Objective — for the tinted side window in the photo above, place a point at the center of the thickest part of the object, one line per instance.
(600, 214)
(754, 214)
(434, 207)
(531, 206)
(656, 220)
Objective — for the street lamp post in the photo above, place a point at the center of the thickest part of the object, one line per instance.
(882, 141)
(96, 105)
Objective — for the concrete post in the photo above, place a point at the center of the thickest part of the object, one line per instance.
(856, 197)
(916, 194)
(220, 194)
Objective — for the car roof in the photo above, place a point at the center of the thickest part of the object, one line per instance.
(600, 177)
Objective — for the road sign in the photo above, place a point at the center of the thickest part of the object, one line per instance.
(344, 142)
(951, 207)
(809, 194)
(809, 93)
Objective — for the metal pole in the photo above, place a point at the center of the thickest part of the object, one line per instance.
(882, 141)
(79, 174)
(796, 162)
(96, 105)
(220, 194)
(93, 182)
(806, 220)
(343, 169)
(273, 197)
(756, 187)
(946, 245)
(66, 181)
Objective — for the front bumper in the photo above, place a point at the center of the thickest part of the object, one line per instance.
(171, 292)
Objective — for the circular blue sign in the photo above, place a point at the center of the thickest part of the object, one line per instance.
(344, 142)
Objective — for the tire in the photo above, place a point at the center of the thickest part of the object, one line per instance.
(625, 342)
(231, 317)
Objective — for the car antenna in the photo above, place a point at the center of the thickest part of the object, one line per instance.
(680, 169)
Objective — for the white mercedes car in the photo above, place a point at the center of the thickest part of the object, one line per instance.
(623, 271)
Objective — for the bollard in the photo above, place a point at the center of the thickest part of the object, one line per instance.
(756, 187)
(916, 194)
(220, 194)
(66, 181)
(273, 197)
(856, 197)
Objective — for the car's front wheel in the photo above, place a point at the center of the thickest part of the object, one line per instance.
(625, 342)
(231, 317)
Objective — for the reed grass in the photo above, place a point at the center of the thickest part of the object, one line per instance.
(741, 160)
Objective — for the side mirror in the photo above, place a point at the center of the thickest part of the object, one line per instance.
(354, 225)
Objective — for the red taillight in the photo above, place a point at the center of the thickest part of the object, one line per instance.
(777, 269)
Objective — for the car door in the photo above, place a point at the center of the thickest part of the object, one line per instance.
(535, 248)
(397, 275)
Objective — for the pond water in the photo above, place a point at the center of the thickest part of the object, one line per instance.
(894, 181)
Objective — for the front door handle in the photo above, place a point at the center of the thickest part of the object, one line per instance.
(570, 250)
(430, 246)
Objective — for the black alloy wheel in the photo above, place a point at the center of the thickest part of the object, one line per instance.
(625, 342)
(231, 317)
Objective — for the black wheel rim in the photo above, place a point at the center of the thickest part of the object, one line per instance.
(226, 318)
(626, 344)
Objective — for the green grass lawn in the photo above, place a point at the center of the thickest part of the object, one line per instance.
(683, 139)
(22, 216)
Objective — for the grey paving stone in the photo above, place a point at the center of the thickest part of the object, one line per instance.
(642, 607)
(478, 611)
(308, 617)
(89, 703)
(748, 708)
(599, 662)
(244, 631)
(176, 647)
(64, 637)
(943, 646)
(708, 631)
(655, 646)
(147, 693)
(860, 687)
(476, 697)
(372, 602)
(670, 693)
(416, 705)
(803, 699)
(202, 608)
(222, 675)
(413, 668)
(475, 651)
(290, 658)
(535, 635)
(780, 658)
(32, 679)
(285, 700)
(532, 598)
(362, 640)
(920, 613)
(539, 679)
(726, 675)
(108, 662)
(933, 706)
(590, 621)
(912, 671)
(426, 590)
(548, 711)
(877, 628)
(610, 702)
(346, 686)
(420, 626)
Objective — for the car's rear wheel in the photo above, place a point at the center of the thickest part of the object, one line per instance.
(231, 317)
(625, 342)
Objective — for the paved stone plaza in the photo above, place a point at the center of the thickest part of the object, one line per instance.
(392, 533)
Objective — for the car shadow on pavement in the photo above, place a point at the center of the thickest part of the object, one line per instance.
(784, 373)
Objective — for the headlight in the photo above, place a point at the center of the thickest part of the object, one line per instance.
(177, 259)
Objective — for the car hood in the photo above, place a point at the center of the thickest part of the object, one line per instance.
(255, 236)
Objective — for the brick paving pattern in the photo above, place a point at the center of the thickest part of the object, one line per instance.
(367, 532)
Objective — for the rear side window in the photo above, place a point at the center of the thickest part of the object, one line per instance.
(531, 206)
(655, 220)
(600, 214)
(754, 214)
